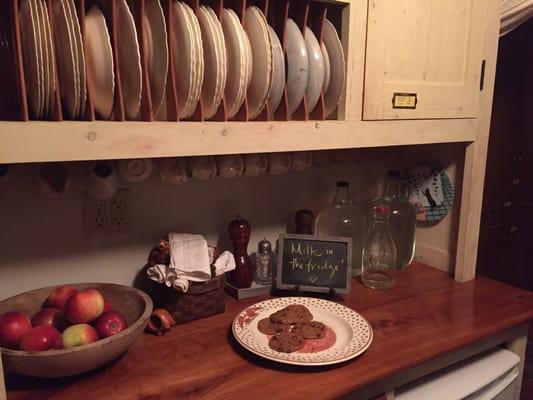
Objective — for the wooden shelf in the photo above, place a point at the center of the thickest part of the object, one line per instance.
(39, 141)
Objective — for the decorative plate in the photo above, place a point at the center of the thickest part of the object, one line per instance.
(349, 332)
(338, 69)
(431, 192)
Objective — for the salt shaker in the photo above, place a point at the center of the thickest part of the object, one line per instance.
(264, 263)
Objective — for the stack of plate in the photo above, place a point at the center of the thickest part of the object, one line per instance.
(336, 67)
(278, 73)
(156, 51)
(130, 67)
(215, 61)
(256, 27)
(297, 65)
(188, 59)
(38, 57)
(100, 65)
(70, 59)
(239, 62)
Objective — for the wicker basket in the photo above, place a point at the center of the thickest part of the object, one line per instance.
(201, 300)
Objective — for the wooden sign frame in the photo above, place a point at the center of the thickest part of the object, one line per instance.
(312, 288)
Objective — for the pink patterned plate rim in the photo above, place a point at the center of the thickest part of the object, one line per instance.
(353, 333)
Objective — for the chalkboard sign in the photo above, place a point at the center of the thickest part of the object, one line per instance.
(314, 264)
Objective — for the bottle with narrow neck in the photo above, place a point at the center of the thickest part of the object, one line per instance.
(379, 254)
(402, 217)
(345, 217)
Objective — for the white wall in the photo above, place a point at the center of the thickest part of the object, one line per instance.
(42, 241)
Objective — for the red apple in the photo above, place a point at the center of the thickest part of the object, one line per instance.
(78, 335)
(110, 323)
(41, 338)
(84, 306)
(107, 305)
(59, 296)
(50, 317)
(13, 326)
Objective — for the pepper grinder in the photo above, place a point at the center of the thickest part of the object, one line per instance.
(239, 232)
(304, 222)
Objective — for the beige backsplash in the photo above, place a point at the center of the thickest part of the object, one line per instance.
(42, 241)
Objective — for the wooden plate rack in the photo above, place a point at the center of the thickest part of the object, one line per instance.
(308, 13)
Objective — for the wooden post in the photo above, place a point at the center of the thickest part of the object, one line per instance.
(476, 157)
(518, 346)
(3, 395)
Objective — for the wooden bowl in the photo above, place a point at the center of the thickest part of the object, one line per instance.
(134, 304)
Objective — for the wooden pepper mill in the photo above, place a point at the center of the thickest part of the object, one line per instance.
(304, 222)
(239, 232)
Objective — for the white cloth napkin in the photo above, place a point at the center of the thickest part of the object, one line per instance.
(189, 257)
(224, 263)
(161, 273)
(157, 273)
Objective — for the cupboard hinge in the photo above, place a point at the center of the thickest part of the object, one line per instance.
(482, 76)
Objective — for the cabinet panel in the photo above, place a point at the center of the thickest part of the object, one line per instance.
(430, 50)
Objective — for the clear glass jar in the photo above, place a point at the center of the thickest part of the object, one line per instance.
(345, 217)
(379, 254)
(402, 218)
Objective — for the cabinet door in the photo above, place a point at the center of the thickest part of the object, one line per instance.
(423, 58)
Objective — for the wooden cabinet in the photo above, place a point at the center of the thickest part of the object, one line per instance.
(423, 58)
(431, 48)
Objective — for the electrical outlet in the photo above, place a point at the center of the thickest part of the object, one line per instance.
(104, 217)
(120, 211)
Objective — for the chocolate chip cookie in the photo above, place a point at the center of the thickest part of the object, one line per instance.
(292, 314)
(310, 330)
(268, 327)
(286, 342)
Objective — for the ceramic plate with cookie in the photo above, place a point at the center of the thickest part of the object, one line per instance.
(302, 331)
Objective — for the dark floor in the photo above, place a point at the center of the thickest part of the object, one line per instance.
(527, 383)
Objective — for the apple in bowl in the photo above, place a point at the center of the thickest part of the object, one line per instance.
(135, 305)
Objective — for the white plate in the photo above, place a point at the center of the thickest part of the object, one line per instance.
(100, 67)
(186, 59)
(214, 61)
(157, 51)
(130, 67)
(298, 65)
(198, 60)
(327, 67)
(353, 334)
(236, 61)
(65, 49)
(31, 59)
(48, 59)
(75, 57)
(256, 27)
(80, 57)
(315, 79)
(36, 18)
(278, 76)
(338, 69)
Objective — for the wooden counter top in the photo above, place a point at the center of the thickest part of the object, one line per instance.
(425, 317)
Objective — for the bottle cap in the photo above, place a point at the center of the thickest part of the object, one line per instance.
(342, 184)
(264, 246)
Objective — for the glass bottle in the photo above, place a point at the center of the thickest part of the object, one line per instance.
(402, 217)
(379, 254)
(264, 263)
(345, 217)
